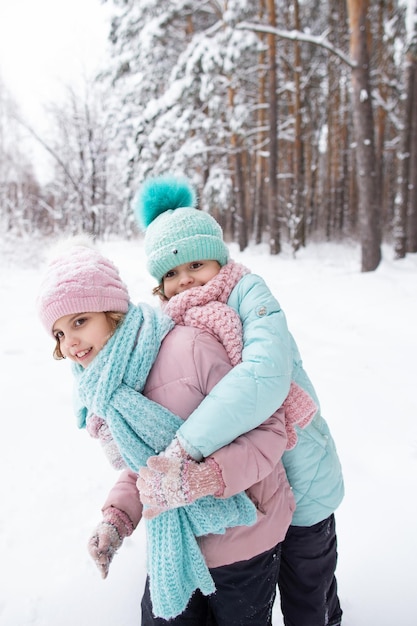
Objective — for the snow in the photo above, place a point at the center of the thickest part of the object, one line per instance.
(363, 97)
(357, 334)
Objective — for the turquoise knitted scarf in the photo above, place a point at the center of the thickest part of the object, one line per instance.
(110, 388)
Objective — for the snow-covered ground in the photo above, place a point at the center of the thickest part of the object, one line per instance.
(358, 337)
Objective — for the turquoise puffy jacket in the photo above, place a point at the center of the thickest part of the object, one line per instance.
(254, 389)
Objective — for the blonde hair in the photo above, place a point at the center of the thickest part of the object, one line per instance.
(159, 291)
(114, 318)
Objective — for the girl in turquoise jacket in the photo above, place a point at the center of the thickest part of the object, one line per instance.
(178, 240)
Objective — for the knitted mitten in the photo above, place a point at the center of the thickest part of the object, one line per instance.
(171, 481)
(300, 409)
(98, 429)
(175, 449)
(107, 538)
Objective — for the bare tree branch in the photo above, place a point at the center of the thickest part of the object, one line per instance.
(51, 151)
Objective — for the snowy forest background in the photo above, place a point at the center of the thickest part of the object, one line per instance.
(296, 120)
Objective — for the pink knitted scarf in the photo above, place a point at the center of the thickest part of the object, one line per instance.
(205, 307)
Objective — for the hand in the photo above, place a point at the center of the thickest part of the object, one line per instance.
(171, 481)
(175, 450)
(99, 429)
(300, 409)
(108, 537)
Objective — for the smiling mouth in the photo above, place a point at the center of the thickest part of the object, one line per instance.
(82, 354)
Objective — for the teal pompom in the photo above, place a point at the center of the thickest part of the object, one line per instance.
(160, 194)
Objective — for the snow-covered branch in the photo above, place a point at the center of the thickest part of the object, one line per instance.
(296, 35)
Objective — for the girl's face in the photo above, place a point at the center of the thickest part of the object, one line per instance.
(82, 336)
(187, 275)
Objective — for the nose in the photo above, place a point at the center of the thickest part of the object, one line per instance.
(70, 340)
(185, 278)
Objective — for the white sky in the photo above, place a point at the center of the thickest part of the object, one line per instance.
(47, 44)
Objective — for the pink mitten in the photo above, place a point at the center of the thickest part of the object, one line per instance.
(300, 409)
(175, 450)
(108, 537)
(169, 482)
(99, 429)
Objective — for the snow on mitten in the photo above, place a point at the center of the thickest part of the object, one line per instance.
(99, 429)
(107, 538)
(169, 482)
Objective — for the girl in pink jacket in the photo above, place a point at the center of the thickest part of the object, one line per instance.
(85, 306)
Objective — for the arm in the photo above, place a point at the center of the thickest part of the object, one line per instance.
(255, 388)
(124, 496)
(175, 480)
(172, 481)
(121, 514)
(255, 453)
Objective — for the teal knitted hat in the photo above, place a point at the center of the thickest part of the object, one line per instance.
(175, 231)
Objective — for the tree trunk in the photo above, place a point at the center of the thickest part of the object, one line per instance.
(298, 237)
(412, 204)
(412, 199)
(239, 185)
(273, 214)
(260, 217)
(401, 199)
(369, 215)
(385, 14)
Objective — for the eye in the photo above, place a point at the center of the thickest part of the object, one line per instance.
(169, 274)
(196, 265)
(58, 335)
(80, 321)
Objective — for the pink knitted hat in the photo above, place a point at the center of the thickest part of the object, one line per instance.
(81, 280)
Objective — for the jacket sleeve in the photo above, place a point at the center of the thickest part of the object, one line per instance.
(124, 495)
(252, 456)
(254, 389)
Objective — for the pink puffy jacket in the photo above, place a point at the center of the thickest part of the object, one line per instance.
(189, 365)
